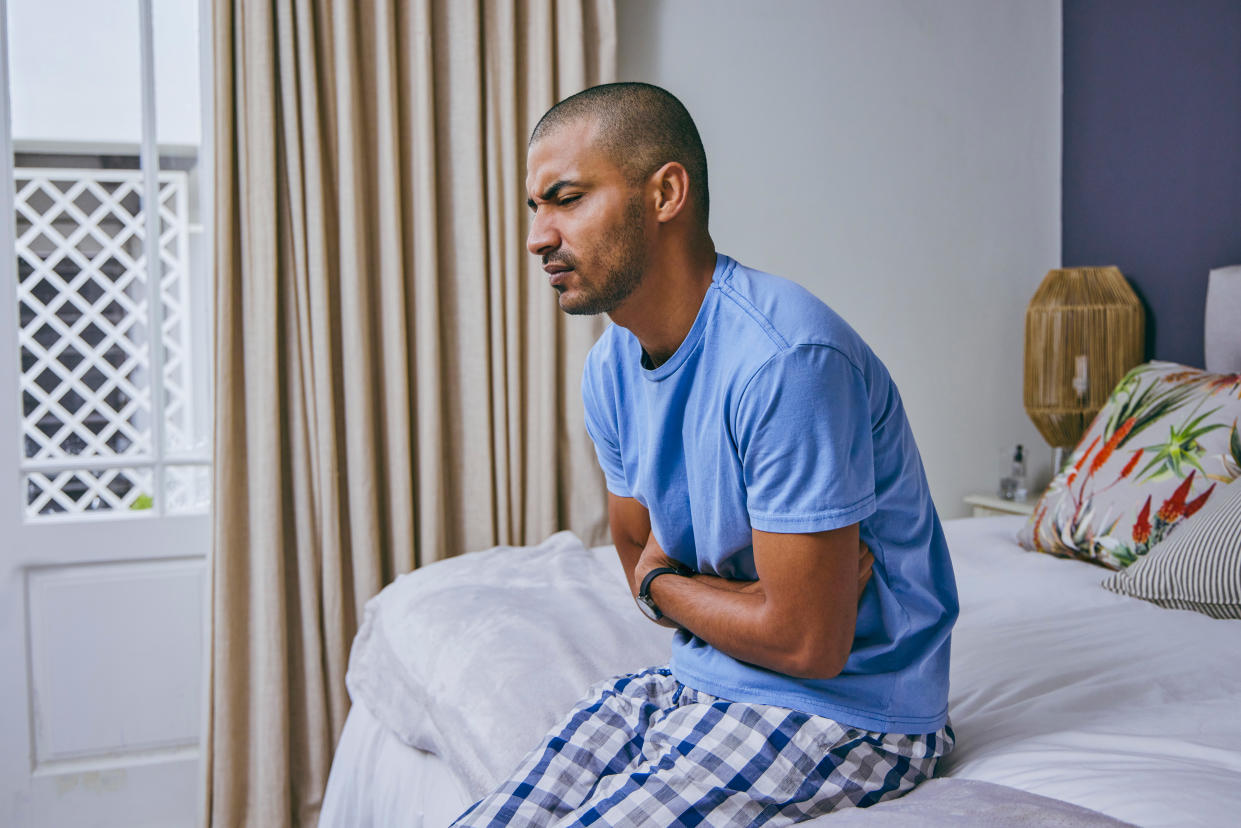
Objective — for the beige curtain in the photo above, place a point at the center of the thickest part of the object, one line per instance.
(394, 383)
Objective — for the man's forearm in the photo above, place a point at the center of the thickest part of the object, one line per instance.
(797, 618)
(733, 617)
(728, 585)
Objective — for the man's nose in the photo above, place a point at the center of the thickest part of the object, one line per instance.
(543, 237)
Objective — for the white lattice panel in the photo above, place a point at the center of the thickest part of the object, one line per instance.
(74, 492)
(83, 313)
(85, 333)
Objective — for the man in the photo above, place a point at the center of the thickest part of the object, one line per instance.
(752, 444)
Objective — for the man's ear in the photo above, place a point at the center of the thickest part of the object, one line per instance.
(671, 186)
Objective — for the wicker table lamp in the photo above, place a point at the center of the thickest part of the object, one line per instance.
(1085, 329)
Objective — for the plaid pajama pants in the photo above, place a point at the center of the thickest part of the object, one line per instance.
(644, 750)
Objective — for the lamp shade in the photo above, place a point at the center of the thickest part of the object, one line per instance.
(1085, 328)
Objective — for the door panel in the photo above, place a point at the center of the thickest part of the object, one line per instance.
(157, 795)
(104, 414)
(121, 629)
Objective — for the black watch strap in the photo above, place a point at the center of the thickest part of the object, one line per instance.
(644, 591)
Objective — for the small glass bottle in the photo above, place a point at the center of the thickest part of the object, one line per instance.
(1021, 489)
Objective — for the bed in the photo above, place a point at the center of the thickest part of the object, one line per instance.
(1072, 705)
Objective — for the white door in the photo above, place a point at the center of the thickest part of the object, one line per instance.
(104, 413)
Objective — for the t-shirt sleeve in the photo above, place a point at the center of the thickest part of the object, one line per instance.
(600, 419)
(804, 436)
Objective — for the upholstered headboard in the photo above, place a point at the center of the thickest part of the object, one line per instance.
(1223, 320)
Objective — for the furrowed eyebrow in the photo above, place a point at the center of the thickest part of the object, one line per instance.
(551, 192)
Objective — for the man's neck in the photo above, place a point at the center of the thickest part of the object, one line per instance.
(661, 312)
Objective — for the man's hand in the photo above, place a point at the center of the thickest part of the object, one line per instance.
(652, 557)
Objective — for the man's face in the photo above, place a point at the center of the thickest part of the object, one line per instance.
(589, 222)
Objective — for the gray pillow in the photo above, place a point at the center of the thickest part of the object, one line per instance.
(1198, 568)
(1222, 335)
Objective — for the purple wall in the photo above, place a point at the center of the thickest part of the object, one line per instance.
(1152, 153)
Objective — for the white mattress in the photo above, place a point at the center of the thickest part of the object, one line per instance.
(378, 781)
(1058, 688)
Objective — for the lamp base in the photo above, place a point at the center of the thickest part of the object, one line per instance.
(1058, 458)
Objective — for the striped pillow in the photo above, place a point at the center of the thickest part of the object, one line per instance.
(1198, 568)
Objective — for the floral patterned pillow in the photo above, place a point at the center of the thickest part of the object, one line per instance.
(1154, 455)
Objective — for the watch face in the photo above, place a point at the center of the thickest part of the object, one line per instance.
(648, 607)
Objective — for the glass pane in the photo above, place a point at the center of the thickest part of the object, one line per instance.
(82, 310)
(187, 490)
(183, 430)
(93, 350)
(74, 73)
(177, 99)
(183, 277)
(89, 492)
(82, 291)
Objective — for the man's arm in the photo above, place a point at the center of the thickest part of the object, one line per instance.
(631, 529)
(631, 533)
(797, 618)
(800, 618)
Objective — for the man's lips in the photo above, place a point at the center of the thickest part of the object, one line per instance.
(556, 272)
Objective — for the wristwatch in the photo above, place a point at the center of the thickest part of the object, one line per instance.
(645, 602)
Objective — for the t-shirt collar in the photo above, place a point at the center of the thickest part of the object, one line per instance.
(722, 265)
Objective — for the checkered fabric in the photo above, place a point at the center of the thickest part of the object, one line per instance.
(644, 750)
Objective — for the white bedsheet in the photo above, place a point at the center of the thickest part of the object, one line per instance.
(1064, 689)
(1059, 687)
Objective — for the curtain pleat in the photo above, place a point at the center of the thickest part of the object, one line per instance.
(394, 382)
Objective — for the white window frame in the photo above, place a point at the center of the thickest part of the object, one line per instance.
(200, 294)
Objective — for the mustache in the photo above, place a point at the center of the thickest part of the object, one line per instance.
(560, 257)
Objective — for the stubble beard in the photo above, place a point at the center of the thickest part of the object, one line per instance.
(622, 272)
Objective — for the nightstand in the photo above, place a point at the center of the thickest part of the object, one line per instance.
(990, 505)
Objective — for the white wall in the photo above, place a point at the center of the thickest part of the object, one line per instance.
(901, 159)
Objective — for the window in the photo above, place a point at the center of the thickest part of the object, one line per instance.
(111, 296)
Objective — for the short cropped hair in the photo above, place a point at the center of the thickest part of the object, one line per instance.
(641, 128)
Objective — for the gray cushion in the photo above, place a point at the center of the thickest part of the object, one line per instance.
(1223, 320)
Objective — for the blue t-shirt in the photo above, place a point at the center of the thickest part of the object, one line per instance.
(773, 414)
